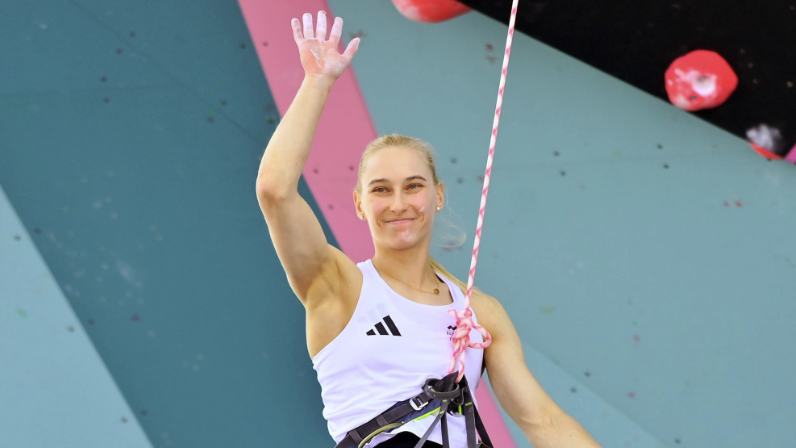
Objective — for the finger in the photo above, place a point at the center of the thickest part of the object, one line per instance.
(297, 35)
(320, 32)
(308, 33)
(337, 31)
(352, 48)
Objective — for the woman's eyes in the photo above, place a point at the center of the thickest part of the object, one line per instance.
(410, 186)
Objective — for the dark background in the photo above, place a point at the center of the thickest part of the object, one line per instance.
(636, 41)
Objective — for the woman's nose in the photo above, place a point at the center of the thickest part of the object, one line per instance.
(398, 203)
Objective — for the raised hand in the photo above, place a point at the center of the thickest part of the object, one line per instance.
(319, 56)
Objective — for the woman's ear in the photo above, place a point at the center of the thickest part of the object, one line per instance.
(358, 205)
(440, 195)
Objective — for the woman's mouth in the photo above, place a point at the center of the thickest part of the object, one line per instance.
(400, 221)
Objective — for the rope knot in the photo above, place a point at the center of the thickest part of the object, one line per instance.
(461, 338)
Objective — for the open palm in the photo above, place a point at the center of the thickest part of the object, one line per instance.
(319, 56)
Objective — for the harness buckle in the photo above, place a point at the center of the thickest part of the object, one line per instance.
(417, 405)
(459, 399)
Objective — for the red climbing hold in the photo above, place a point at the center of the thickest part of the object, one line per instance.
(765, 153)
(430, 11)
(700, 80)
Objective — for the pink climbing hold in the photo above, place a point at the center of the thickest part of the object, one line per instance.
(791, 157)
(700, 80)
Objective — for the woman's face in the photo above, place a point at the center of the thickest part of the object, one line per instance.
(398, 197)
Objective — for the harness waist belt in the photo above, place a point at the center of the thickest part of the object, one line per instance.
(443, 394)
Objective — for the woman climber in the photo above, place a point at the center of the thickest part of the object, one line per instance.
(379, 332)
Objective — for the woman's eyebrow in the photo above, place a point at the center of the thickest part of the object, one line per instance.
(415, 177)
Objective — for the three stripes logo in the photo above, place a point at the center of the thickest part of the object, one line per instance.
(390, 330)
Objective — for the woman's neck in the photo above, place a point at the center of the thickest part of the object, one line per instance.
(410, 266)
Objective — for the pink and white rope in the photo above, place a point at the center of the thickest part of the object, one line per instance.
(464, 322)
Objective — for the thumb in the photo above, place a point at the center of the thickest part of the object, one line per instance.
(352, 48)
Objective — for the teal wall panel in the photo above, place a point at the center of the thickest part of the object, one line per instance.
(139, 194)
(54, 388)
(644, 255)
(640, 251)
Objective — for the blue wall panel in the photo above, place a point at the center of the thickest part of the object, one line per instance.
(644, 255)
(133, 173)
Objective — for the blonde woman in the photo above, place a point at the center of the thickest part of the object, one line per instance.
(379, 330)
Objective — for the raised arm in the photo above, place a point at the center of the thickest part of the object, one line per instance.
(311, 264)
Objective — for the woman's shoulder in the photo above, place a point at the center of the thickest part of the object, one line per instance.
(487, 308)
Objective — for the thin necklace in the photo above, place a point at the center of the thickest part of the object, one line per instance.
(436, 290)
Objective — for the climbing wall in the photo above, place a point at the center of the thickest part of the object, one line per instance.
(643, 254)
(129, 144)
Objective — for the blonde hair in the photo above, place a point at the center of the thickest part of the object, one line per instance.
(427, 152)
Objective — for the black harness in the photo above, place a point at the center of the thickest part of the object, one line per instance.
(443, 394)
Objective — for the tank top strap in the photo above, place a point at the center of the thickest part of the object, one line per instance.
(456, 292)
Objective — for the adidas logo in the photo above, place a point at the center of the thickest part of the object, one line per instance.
(393, 330)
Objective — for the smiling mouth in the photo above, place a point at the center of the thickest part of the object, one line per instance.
(401, 221)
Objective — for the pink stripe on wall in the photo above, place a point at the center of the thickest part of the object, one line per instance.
(344, 130)
(490, 414)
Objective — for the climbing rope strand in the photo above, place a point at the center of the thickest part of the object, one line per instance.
(464, 323)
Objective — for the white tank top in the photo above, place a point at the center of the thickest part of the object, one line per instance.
(389, 348)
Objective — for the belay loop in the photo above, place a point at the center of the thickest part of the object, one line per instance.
(443, 396)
